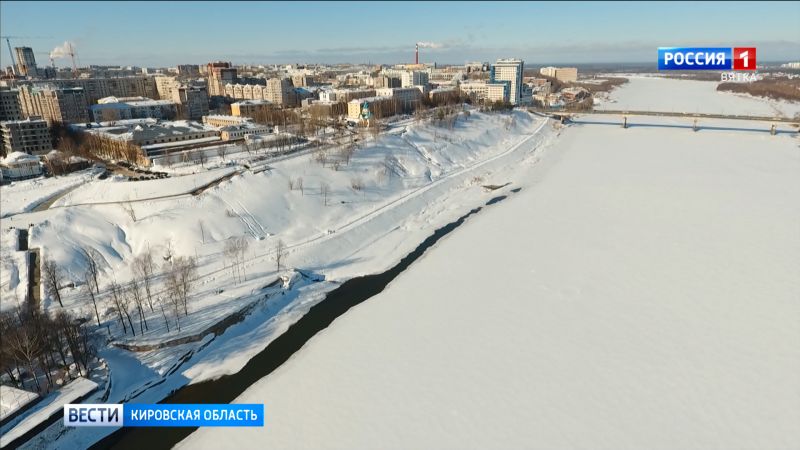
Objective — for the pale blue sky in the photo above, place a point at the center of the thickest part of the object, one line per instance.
(169, 33)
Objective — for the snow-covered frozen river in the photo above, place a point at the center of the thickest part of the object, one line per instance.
(640, 292)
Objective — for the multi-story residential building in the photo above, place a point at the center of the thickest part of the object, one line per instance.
(254, 109)
(219, 74)
(165, 85)
(31, 136)
(322, 109)
(378, 107)
(26, 63)
(10, 108)
(509, 72)
(345, 95)
(97, 88)
(188, 70)
(406, 96)
(485, 92)
(54, 104)
(387, 81)
(414, 78)
(112, 108)
(280, 91)
(565, 74)
(303, 79)
(192, 101)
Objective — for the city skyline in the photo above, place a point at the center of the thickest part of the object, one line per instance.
(152, 33)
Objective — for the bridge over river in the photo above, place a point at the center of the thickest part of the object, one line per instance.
(625, 115)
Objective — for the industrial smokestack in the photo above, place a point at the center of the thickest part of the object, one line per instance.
(416, 53)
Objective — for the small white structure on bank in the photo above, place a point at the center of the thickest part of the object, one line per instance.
(13, 399)
(19, 166)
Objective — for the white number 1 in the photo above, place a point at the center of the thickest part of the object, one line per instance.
(744, 55)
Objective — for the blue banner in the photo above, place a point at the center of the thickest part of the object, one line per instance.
(193, 415)
(695, 58)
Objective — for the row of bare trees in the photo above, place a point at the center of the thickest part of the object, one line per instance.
(132, 300)
(35, 345)
(95, 147)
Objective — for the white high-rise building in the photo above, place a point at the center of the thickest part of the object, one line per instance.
(509, 71)
(414, 78)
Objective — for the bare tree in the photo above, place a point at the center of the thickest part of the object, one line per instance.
(93, 259)
(25, 345)
(135, 294)
(299, 184)
(180, 280)
(348, 151)
(280, 253)
(202, 158)
(231, 252)
(357, 183)
(143, 267)
(291, 184)
(168, 253)
(222, 150)
(202, 230)
(325, 190)
(241, 247)
(90, 290)
(161, 302)
(121, 306)
(53, 278)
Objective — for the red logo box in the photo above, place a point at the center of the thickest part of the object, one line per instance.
(744, 58)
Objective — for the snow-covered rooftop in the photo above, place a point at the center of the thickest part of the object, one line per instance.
(16, 157)
(12, 399)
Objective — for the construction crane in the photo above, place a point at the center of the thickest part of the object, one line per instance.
(11, 51)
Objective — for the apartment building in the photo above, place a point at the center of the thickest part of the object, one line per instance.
(26, 62)
(345, 95)
(414, 78)
(482, 91)
(10, 108)
(54, 104)
(188, 70)
(508, 72)
(280, 91)
(165, 86)
(31, 136)
(378, 107)
(565, 74)
(253, 109)
(407, 97)
(192, 101)
(219, 74)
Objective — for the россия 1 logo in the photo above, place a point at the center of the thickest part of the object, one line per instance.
(706, 58)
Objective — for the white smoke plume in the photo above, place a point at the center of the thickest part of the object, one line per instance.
(63, 50)
(429, 45)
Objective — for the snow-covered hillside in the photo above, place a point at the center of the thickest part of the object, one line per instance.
(640, 292)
